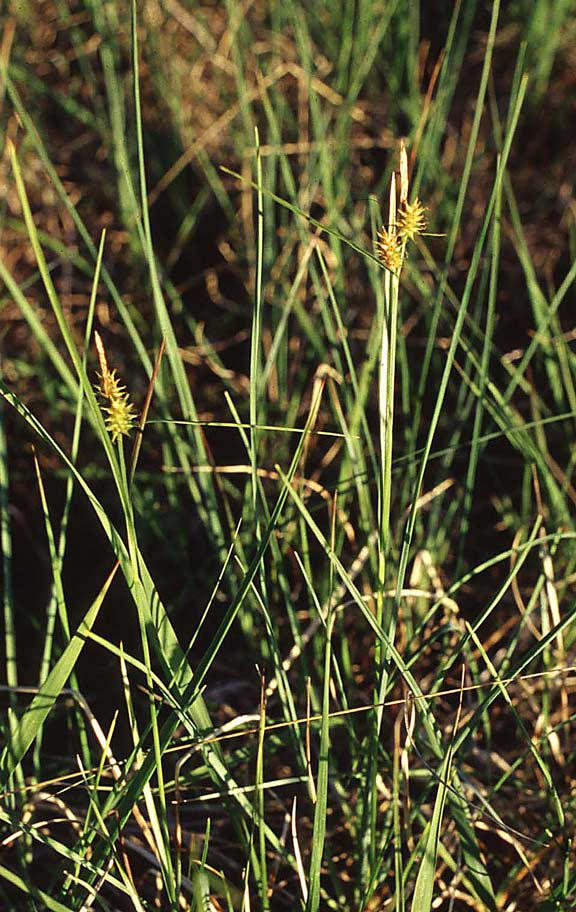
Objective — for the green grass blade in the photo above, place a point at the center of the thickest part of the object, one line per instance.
(52, 905)
(35, 715)
(320, 810)
(424, 886)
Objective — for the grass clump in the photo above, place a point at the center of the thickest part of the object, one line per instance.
(309, 646)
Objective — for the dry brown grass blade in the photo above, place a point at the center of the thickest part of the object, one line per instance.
(145, 410)
(6, 46)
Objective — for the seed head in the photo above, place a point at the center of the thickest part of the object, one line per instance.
(390, 249)
(411, 219)
(120, 414)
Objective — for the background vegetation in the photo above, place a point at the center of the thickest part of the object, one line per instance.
(282, 654)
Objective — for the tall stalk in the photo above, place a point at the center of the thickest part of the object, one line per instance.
(404, 221)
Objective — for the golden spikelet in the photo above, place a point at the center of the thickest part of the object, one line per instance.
(390, 249)
(411, 219)
(120, 414)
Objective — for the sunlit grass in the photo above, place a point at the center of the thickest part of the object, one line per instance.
(326, 660)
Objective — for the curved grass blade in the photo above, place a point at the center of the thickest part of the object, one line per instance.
(424, 886)
(52, 905)
(25, 731)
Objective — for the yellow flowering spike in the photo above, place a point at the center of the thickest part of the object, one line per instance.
(120, 414)
(390, 249)
(109, 386)
(411, 219)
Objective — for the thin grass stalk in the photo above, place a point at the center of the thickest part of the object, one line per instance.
(191, 701)
(41, 705)
(482, 383)
(510, 421)
(424, 886)
(383, 865)
(42, 338)
(137, 445)
(552, 308)
(152, 829)
(386, 428)
(55, 181)
(458, 210)
(102, 14)
(464, 823)
(545, 313)
(57, 604)
(455, 340)
(537, 753)
(289, 302)
(259, 796)
(44, 841)
(192, 711)
(94, 409)
(140, 597)
(58, 557)
(451, 64)
(320, 810)
(256, 335)
(280, 676)
(35, 895)
(261, 602)
(10, 651)
(524, 662)
(360, 603)
(207, 505)
(93, 809)
(386, 424)
(355, 408)
(255, 356)
(10, 647)
(325, 229)
(399, 894)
